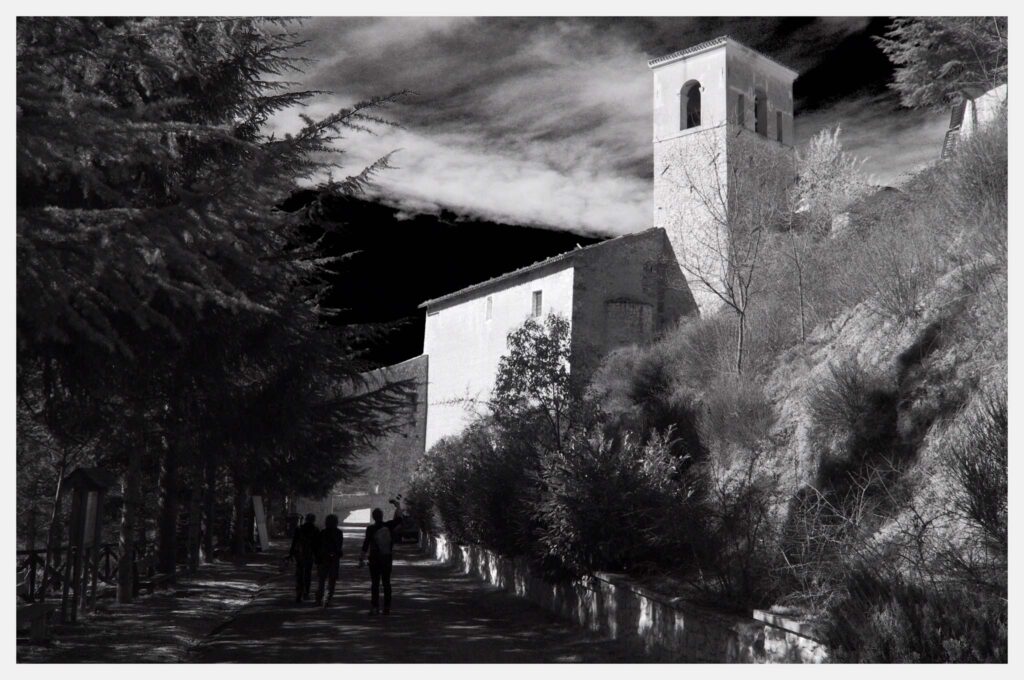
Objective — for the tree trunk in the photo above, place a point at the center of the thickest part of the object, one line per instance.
(195, 520)
(167, 524)
(740, 339)
(131, 496)
(238, 535)
(799, 287)
(208, 516)
(53, 533)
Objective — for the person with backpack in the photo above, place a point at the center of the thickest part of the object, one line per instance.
(330, 546)
(378, 551)
(304, 546)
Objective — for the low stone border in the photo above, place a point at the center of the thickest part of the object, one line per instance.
(661, 628)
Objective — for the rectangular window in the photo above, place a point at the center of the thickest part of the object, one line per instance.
(489, 306)
(741, 110)
(537, 303)
(778, 125)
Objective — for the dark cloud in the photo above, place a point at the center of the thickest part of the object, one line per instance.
(548, 121)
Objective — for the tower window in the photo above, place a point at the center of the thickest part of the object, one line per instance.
(778, 125)
(489, 308)
(689, 105)
(760, 113)
(537, 303)
(741, 109)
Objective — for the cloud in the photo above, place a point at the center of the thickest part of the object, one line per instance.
(548, 121)
(894, 142)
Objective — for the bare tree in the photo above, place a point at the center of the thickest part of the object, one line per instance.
(740, 188)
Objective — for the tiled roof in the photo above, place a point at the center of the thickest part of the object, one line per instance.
(708, 44)
(699, 47)
(530, 267)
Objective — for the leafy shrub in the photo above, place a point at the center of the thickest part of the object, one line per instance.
(735, 414)
(419, 501)
(978, 464)
(900, 264)
(855, 425)
(700, 350)
(976, 190)
(741, 551)
(502, 488)
(441, 474)
(636, 391)
(614, 504)
(829, 179)
(885, 619)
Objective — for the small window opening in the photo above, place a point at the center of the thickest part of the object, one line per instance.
(741, 109)
(689, 115)
(761, 113)
(778, 125)
(537, 303)
(489, 308)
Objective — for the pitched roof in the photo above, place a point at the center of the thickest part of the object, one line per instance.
(564, 257)
(709, 44)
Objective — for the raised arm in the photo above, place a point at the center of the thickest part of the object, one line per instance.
(396, 519)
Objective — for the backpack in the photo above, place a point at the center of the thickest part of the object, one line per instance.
(382, 540)
(306, 540)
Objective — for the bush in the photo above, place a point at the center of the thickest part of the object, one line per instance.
(741, 555)
(978, 465)
(884, 619)
(419, 502)
(701, 350)
(855, 425)
(976, 187)
(900, 265)
(502, 488)
(614, 504)
(735, 415)
(440, 474)
(636, 391)
(484, 486)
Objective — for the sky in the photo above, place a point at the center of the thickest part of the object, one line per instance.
(547, 121)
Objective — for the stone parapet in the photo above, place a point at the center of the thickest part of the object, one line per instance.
(661, 628)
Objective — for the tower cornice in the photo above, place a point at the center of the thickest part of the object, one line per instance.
(715, 43)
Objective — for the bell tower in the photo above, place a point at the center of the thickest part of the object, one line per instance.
(708, 100)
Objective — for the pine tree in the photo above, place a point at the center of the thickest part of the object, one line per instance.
(156, 272)
(939, 60)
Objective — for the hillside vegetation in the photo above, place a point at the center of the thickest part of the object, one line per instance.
(854, 472)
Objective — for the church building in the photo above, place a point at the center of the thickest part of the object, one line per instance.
(630, 289)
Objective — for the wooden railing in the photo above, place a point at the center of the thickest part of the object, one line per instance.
(36, 583)
(949, 144)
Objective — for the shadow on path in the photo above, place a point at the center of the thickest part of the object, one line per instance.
(159, 627)
(438, 616)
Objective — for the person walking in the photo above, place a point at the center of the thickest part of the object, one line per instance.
(304, 544)
(330, 550)
(378, 546)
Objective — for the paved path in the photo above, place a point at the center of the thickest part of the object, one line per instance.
(160, 627)
(437, 616)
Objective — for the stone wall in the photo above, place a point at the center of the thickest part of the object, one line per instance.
(658, 627)
(388, 461)
(626, 291)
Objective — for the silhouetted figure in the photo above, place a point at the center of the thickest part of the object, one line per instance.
(329, 551)
(304, 544)
(378, 547)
